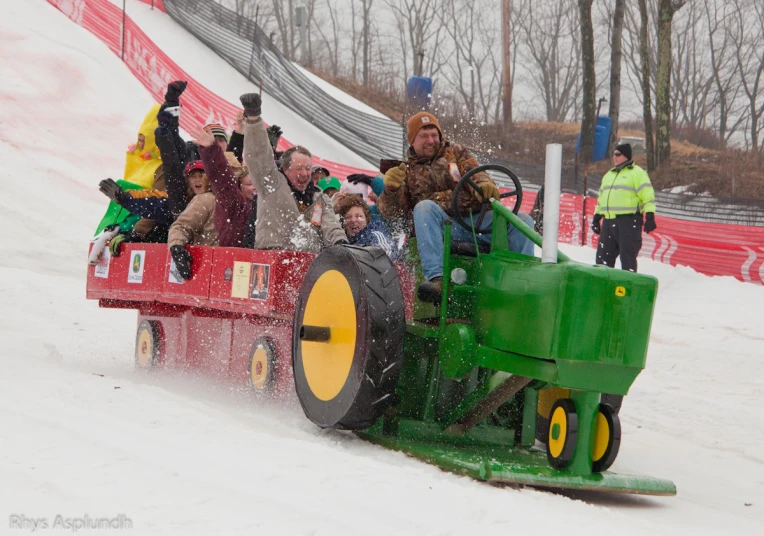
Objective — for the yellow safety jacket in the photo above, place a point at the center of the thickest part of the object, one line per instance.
(625, 191)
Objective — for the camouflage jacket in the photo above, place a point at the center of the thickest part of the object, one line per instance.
(431, 178)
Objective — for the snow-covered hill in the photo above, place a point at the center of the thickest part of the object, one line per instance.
(82, 434)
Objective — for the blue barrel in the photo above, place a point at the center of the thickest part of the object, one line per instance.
(419, 92)
(601, 138)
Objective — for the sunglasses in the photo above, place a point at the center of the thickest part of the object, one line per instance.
(617, 154)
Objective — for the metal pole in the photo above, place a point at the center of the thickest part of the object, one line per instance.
(552, 179)
(152, 4)
(583, 216)
(123, 29)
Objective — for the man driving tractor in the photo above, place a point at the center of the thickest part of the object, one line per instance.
(422, 189)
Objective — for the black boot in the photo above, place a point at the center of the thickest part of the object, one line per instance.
(431, 291)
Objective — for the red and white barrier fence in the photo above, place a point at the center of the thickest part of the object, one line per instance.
(709, 248)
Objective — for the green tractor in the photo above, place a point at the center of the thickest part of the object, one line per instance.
(503, 382)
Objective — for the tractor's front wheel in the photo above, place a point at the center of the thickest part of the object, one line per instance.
(347, 339)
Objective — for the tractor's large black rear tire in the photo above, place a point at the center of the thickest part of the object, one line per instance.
(347, 381)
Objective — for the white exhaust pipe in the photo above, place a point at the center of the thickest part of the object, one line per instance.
(552, 179)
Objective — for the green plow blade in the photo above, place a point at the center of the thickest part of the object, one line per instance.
(519, 466)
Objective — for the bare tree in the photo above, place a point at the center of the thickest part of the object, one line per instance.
(283, 11)
(692, 91)
(506, 63)
(550, 34)
(366, 35)
(748, 40)
(647, 108)
(589, 80)
(355, 42)
(332, 41)
(667, 10)
(723, 67)
(615, 72)
(420, 34)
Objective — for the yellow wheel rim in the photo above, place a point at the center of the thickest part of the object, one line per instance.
(259, 372)
(145, 348)
(602, 437)
(327, 364)
(547, 398)
(558, 432)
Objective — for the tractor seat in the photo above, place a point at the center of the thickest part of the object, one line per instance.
(467, 249)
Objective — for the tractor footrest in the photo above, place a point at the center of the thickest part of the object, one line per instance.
(519, 466)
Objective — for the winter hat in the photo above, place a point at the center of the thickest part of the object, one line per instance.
(330, 182)
(420, 120)
(193, 166)
(238, 169)
(625, 150)
(217, 130)
(319, 168)
(356, 189)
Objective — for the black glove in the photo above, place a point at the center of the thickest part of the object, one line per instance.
(274, 133)
(174, 91)
(167, 121)
(112, 190)
(649, 222)
(115, 244)
(183, 261)
(596, 223)
(355, 178)
(252, 104)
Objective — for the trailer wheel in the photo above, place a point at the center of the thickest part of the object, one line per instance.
(347, 338)
(563, 433)
(262, 365)
(607, 439)
(148, 344)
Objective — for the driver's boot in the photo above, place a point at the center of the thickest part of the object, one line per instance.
(431, 291)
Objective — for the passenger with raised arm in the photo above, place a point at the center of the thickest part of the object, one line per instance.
(196, 224)
(292, 213)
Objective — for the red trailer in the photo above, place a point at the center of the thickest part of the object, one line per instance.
(232, 319)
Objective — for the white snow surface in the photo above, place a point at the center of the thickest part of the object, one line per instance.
(81, 433)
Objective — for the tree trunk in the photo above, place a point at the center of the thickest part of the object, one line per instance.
(506, 82)
(666, 12)
(589, 82)
(366, 40)
(615, 73)
(647, 104)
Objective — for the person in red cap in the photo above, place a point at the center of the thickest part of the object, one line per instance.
(196, 224)
(421, 190)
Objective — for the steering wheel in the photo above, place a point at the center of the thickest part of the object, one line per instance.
(473, 188)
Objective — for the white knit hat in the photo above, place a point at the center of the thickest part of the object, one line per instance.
(356, 189)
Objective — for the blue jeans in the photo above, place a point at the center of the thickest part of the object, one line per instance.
(429, 222)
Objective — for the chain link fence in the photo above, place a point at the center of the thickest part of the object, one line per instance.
(248, 49)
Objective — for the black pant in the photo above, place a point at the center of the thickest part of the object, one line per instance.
(621, 236)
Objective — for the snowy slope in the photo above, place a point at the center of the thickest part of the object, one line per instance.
(81, 433)
(204, 65)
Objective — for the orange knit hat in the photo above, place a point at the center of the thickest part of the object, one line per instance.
(420, 120)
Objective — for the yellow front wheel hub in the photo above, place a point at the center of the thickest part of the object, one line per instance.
(563, 433)
(327, 364)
